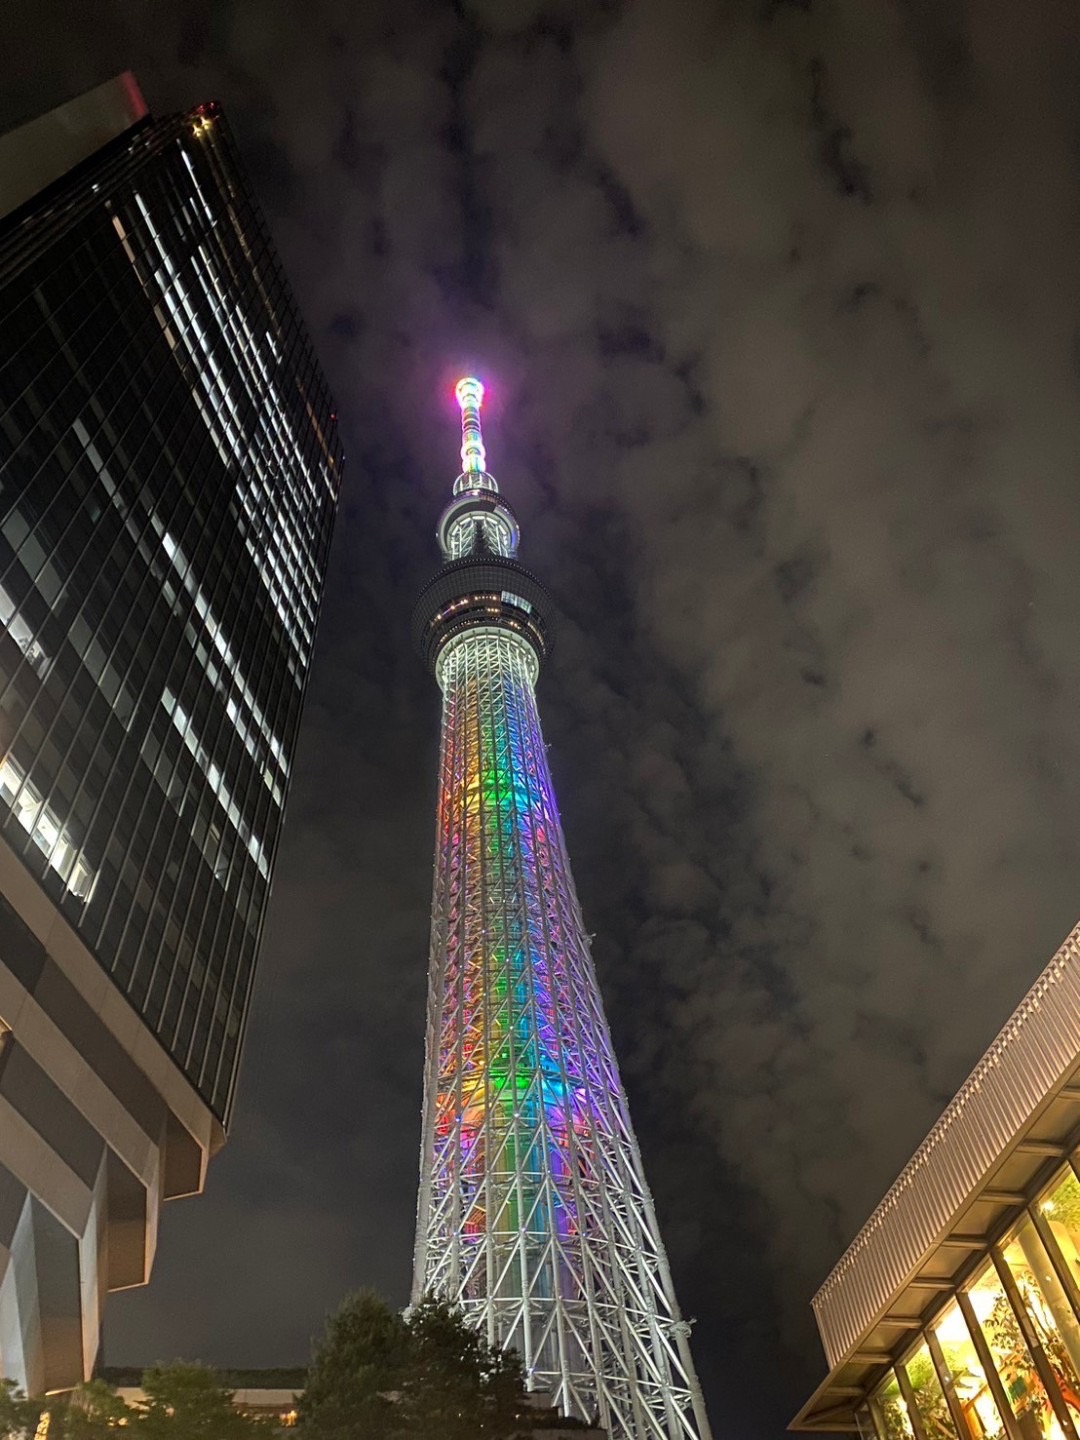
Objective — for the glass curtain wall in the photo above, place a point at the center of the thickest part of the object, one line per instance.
(1001, 1361)
(169, 470)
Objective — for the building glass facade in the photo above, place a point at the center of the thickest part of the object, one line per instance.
(169, 471)
(1001, 1356)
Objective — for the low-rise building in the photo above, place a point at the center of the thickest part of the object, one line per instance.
(955, 1312)
(272, 1394)
(275, 1394)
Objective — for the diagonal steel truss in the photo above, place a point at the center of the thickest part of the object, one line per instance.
(533, 1207)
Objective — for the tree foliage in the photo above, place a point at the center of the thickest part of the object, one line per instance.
(424, 1376)
(457, 1385)
(189, 1402)
(356, 1373)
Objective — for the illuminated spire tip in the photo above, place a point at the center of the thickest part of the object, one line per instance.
(469, 391)
(470, 395)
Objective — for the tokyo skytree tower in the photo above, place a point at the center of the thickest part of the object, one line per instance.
(533, 1210)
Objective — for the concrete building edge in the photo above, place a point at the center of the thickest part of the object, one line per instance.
(83, 1179)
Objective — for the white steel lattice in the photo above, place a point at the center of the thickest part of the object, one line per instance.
(533, 1209)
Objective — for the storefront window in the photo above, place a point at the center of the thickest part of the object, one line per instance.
(890, 1406)
(969, 1380)
(1051, 1314)
(1061, 1206)
(1029, 1400)
(930, 1399)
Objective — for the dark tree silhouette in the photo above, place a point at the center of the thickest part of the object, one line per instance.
(424, 1376)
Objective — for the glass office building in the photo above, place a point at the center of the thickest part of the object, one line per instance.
(955, 1313)
(169, 472)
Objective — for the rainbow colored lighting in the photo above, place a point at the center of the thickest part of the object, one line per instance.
(513, 1086)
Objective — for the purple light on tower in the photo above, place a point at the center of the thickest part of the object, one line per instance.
(533, 1210)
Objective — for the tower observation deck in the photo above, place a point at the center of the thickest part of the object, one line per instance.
(533, 1209)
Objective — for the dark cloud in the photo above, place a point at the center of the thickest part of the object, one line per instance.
(779, 303)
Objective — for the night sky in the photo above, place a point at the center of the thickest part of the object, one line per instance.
(779, 306)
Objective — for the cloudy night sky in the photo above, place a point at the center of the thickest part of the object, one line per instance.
(779, 306)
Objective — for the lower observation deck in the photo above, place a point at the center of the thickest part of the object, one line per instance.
(487, 590)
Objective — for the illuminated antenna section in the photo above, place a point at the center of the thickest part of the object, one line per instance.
(470, 396)
(477, 519)
(474, 475)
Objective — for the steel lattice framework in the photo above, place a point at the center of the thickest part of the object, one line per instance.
(533, 1210)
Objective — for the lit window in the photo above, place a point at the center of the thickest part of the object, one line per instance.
(46, 828)
(22, 634)
(1005, 1340)
(1048, 1308)
(930, 1402)
(969, 1379)
(1061, 1206)
(218, 788)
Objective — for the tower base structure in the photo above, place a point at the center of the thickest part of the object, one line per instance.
(97, 1127)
